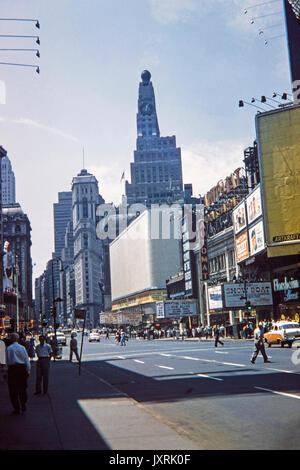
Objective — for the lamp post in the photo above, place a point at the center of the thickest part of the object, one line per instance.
(54, 300)
(17, 292)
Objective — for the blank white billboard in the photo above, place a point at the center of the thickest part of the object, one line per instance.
(138, 263)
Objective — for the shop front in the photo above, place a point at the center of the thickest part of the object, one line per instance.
(286, 292)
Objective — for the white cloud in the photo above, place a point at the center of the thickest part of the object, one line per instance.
(172, 11)
(30, 122)
(205, 163)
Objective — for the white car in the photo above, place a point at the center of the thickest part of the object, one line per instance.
(60, 337)
(94, 336)
(283, 332)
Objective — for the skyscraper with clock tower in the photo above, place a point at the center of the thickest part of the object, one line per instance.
(156, 173)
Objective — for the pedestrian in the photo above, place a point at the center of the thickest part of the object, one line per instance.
(118, 337)
(54, 346)
(73, 348)
(107, 334)
(123, 338)
(217, 335)
(31, 349)
(23, 341)
(43, 352)
(18, 370)
(259, 344)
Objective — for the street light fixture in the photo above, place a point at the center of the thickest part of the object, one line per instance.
(37, 69)
(20, 36)
(242, 104)
(37, 52)
(37, 23)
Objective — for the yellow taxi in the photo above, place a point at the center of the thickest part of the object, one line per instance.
(282, 333)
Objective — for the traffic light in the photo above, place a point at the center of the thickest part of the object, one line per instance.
(44, 322)
(248, 306)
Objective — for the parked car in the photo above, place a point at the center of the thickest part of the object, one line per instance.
(94, 336)
(283, 332)
(60, 337)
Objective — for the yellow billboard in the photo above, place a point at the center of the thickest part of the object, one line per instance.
(278, 134)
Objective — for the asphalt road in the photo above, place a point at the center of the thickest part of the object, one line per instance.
(213, 396)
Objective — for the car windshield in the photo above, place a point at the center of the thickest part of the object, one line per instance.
(287, 326)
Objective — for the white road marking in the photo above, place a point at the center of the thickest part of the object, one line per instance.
(209, 377)
(221, 352)
(165, 367)
(191, 358)
(289, 395)
(232, 364)
(140, 362)
(281, 370)
(166, 355)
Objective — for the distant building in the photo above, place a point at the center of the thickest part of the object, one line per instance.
(156, 173)
(88, 249)
(62, 214)
(17, 246)
(8, 182)
(292, 13)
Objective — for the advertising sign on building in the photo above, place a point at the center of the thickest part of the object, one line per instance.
(242, 248)
(279, 150)
(215, 297)
(239, 218)
(254, 209)
(257, 293)
(256, 237)
(286, 290)
(176, 308)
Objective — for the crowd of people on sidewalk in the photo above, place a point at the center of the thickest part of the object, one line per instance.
(17, 353)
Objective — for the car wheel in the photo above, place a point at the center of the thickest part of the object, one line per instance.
(282, 345)
(290, 344)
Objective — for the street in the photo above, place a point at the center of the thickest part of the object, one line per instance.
(214, 397)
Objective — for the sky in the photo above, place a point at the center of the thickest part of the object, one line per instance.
(204, 56)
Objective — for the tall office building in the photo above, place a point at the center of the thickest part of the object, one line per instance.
(8, 182)
(156, 173)
(62, 213)
(88, 249)
(292, 14)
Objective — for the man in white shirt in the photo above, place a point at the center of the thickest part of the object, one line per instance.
(43, 352)
(18, 368)
(259, 344)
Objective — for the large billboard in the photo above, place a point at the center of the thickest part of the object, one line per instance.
(256, 238)
(254, 209)
(176, 308)
(279, 160)
(257, 293)
(242, 247)
(239, 217)
(139, 262)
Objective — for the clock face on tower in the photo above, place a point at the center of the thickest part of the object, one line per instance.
(146, 109)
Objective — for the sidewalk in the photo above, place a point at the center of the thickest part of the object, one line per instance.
(82, 413)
